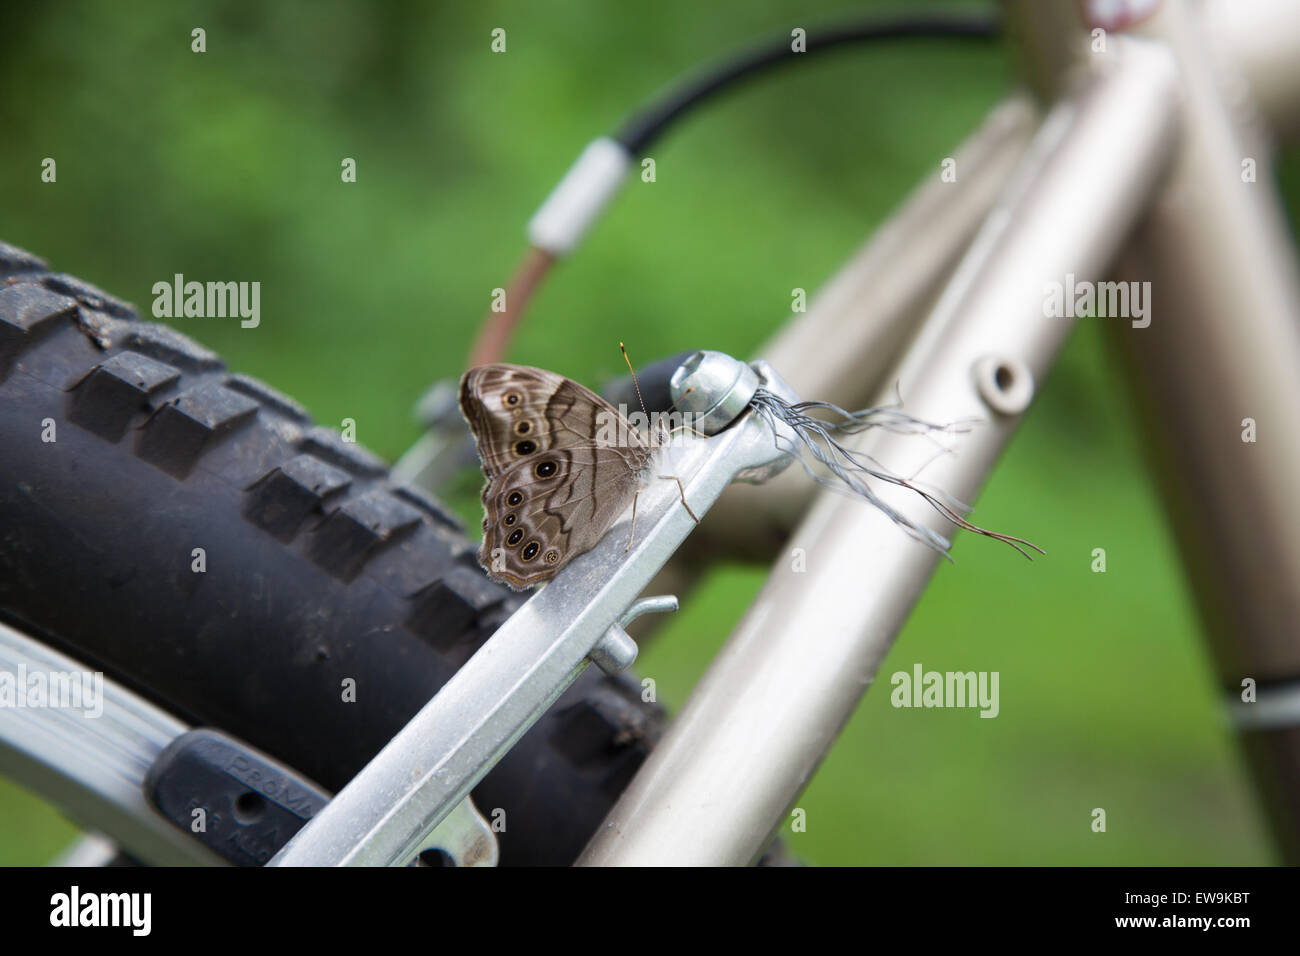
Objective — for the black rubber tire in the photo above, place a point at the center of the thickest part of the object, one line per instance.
(318, 567)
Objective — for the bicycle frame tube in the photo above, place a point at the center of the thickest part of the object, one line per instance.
(774, 699)
(1226, 348)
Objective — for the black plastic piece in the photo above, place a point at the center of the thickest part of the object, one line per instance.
(251, 803)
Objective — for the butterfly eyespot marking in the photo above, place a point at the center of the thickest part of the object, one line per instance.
(523, 428)
(525, 447)
(511, 398)
(550, 557)
(514, 498)
(515, 537)
(509, 520)
(545, 469)
(530, 550)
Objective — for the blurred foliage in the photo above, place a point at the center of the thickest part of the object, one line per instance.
(225, 165)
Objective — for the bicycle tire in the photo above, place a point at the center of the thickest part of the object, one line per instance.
(316, 566)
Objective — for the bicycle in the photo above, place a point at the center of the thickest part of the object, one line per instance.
(985, 344)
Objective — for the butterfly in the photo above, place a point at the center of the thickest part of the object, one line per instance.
(561, 464)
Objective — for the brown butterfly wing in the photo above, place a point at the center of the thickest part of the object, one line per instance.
(556, 519)
(510, 405)
(561, 463)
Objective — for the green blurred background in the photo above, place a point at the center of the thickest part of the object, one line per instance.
(225, 165)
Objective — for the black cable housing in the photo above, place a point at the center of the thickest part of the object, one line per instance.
(648, 123)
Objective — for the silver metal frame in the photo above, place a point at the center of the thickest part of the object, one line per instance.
(1225, 348)
(810, 644)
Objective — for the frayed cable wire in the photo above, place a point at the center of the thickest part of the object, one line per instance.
(815, 438)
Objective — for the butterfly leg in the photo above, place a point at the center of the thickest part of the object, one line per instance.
(682, 492)
(632, 536)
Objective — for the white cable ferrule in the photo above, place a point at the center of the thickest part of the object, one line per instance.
(580, 197)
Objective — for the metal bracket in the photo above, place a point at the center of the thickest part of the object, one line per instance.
(463, 838)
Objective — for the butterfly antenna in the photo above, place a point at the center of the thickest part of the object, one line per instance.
(635, 383)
